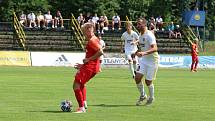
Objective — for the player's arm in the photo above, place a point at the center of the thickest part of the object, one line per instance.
(153, 48)
(95, 56)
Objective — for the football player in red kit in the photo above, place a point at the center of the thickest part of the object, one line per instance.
(194, 54)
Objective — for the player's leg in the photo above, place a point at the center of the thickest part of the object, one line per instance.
(192, 65)
(196, 63)
(130, 62)
(134, 62)
(78, 95)
(140, 85)
(150, 76)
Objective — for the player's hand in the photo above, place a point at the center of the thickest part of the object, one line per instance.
(140, 54)
(86, 60)
(77, 66)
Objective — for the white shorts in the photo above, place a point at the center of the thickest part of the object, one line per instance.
(149, 70)
(128, 56)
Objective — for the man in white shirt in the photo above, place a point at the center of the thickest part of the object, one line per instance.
(31, 18)
(116, 23)
(49, 19)
(148, 62)
(131, 39)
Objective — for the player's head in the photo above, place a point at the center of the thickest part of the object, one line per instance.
(195, 40)
(88, 29)
(141, 24)
(128, 26)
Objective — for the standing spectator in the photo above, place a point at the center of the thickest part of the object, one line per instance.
(81, 19)
(159, 22)
(131, 39)
(116, 23)
(40, 19)
(32, 19)
(58, 19)
(49, 20)
(23, 19)
(148, 62)
(90, 67)
(194, 54)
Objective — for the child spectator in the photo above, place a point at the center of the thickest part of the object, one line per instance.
(40, 19)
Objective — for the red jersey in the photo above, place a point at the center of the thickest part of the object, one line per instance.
(92, 48)
(194, 51)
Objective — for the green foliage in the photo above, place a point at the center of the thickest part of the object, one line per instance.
(170, 10)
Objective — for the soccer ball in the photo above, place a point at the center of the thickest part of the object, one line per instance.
(66, 106)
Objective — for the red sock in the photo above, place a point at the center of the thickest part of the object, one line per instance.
(84, 92)
(79, 97)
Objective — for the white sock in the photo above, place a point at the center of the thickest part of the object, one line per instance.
(131, 69)
(151, 91)
(140, 87)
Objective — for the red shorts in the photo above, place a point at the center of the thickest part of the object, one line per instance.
(84, 75)
(195, 58)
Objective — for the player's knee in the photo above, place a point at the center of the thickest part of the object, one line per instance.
(138, 78)
(76, 85)
(148, 82)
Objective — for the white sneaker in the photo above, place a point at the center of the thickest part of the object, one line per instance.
(141, 99)
(149, 101)
(80, 110)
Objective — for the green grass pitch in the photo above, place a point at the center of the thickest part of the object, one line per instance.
(35, 93)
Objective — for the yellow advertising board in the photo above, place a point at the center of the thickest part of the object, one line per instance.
(15, 58)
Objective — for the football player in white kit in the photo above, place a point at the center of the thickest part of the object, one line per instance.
(148, 62)
(131, 39)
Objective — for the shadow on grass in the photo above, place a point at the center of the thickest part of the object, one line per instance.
(111, 105)
(49, 111)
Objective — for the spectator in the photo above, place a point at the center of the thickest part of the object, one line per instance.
(40, 19)
(106, 22)
(152, 26)
(81, 19)
(116, 23)
(88, 18)
(95, 20)
(177, 32)
(49, 20)
(23, 19)
(102, 43)
(171, 28)
(101, 24)
(31, 19)
(58, 19)
(159, 22)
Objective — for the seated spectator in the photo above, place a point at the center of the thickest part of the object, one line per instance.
(101, 24)
(177, 32)
(106, 22)
(95, 20)
(159, 23)
(49, 20)
(171, 28)
(40, 19)
(58, 20)
(88, 18)
(31, 19)
(81, 19)
(23, 19)
(116, 23)
(152, 25)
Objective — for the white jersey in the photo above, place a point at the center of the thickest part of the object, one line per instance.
(146, 40)
(128, 38)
